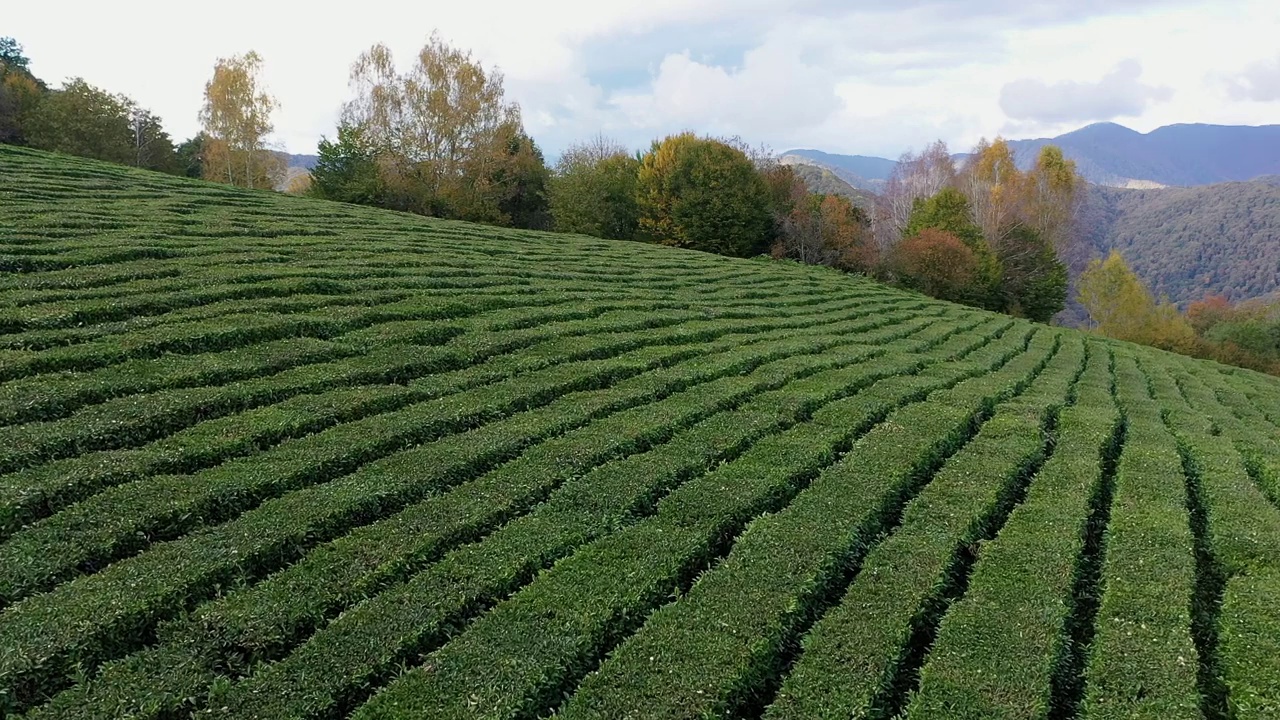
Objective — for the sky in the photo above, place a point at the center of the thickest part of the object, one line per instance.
(871, 77)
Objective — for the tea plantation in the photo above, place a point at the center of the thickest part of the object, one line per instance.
(268, 457)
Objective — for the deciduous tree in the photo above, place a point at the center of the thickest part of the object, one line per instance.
(949, 211)
(347, 170)
(995, 188)
(520, 181)
(237, 119)
(828, 230)
(1122, 307)
(190, 157)
(80, 119)
(703, 194)
(1054, 195)
(152, 147)
(937, 263)
(915, 177)
(593, 191)
(20, 92)
(441, 131)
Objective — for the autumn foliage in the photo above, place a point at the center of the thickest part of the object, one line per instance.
(703, 194)
(828, 230)
(1121, 306)
(937, 263)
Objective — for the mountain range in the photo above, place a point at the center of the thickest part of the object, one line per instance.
(1194, 209)
(1113, 155)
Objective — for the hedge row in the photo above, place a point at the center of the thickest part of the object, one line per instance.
(77, 335)
(123, 518)
(96, 617)
(787, 568)
(273, 533)
(270, 614)
(858, 659)
(1143, 662)
(553, 631)
(40, 490)
(1001, 650)
(47, 397)
(1242, 532)
(275, 611)
(476, 575)
(133, 420)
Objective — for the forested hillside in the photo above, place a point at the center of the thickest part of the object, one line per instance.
(823, 181)
(1191, 242)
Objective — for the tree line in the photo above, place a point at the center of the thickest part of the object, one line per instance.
(1122, 306)
(81, 119)
(437, 136)
(78, 118)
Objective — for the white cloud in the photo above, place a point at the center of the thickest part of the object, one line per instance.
(1259, 82)
(1120, 93)
(877, 76)
(771, 93)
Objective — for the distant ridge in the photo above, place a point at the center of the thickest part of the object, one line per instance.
(1183, 155)
(1114, 155)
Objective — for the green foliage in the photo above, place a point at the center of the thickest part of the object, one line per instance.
(347, 170)
(593, 191)
(271, 456)
(522, 180)
(1121, 306)
(1143, 661)
(950, 212)
(702, 194)
(1187, 242)
(80, 119)
(20, 92)
(1034, 282)
(787, 563)
(189, 160)
(1005, 649)
(11, 54)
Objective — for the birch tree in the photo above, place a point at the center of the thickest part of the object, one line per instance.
(440, 130)
(916, 177)
(237, 118)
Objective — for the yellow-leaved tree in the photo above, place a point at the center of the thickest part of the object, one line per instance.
(444, 136)
(237, 119)
(1120, 306)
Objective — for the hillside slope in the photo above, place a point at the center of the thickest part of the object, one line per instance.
(1191, 242)
(823, 181)
(270, 457)
(859, 171)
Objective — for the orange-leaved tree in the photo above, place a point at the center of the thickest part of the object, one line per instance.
(936, 263)
(827, 230)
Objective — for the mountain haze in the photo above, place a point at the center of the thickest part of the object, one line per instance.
(1110, 154)
(824, 181)
(1181, 155)
(860, 171)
